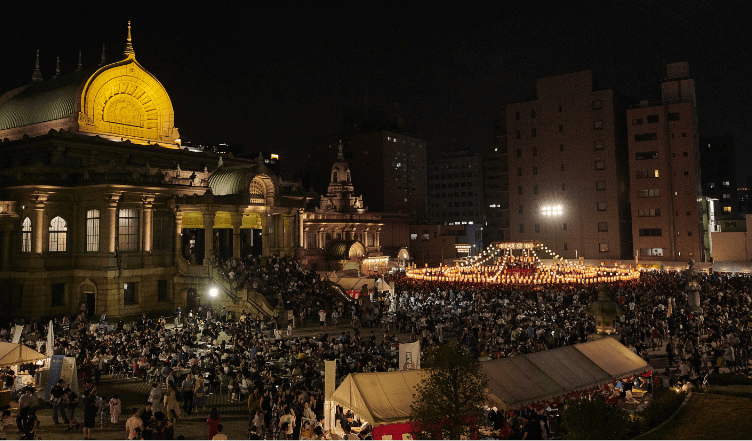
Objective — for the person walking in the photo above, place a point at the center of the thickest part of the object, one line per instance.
(199, 394)
(56, 399)
(155, 397)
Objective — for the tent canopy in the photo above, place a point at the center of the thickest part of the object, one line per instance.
(379, 397)
(521, 380)
(14, 353)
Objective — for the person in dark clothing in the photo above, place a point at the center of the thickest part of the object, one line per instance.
(532, 429)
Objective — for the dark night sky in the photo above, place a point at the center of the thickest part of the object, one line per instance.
(275, 75)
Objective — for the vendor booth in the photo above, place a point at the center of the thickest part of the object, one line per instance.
(382, 399)
(515, 382)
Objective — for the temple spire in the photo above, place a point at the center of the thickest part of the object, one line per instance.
(57, 68)
(80, 62)
(37, 75)
(128, 52)
(340, 156)
(101, 62)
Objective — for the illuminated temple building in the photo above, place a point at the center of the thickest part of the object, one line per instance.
(100, 206)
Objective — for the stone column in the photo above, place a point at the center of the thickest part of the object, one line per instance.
(109, 231)
(39, 200)
(146, 229)
(208, 236)
(237, 221)
(301, 232)
(178, 234)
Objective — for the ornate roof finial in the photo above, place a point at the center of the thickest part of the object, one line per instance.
(80, 63)
(101, 62)
(340, 155)
(37, 75)
(57, 68)
(128, 52)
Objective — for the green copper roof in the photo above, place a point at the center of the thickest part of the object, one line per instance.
(339, 249)
(231, 180)
(43, 101)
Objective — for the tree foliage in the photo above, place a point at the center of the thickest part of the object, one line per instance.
(449, 402)
(594, 419)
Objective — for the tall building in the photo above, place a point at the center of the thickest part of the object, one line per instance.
(568, 179)
(455, 193)
(718, 170)
(664, 163)
(496, 187)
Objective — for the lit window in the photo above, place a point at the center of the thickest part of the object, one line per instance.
(726, 183)
(26, 236)
(413, 236)
(603, 247)
(58, 234)
(128, 229)
(727, 209)
(92, 230)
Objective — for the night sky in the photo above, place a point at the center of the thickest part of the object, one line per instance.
(276, 75)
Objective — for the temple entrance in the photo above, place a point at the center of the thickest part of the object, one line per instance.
(250, 242)
(91, 302)
(223, 244)
(193, 300)
(193, 245)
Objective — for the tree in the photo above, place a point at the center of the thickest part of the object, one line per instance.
(594, 419)
(449, 402)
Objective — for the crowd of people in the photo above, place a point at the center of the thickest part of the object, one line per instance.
(280, 378)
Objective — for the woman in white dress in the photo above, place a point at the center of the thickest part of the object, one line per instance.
(115, 409)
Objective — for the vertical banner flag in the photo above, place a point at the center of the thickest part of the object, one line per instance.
(54, 374)
(409, 356)
(17, 331)
(50, 340)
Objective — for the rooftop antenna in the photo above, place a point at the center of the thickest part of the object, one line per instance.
(37, 75)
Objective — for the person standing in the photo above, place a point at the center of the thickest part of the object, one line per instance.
(3, 419)
(115, 409)
(219, 435)
(56, 399)
(199, 394)
(134, 426)
(287, 423)
(155, 397)
(322, 319)
(24, 407)
(91, 407)
(212, 423)
(188, 394)
(171, 400)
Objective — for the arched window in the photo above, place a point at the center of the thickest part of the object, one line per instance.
(26, 236)
(92, 230)
(334, 176)
(58, 234)
(348, 176)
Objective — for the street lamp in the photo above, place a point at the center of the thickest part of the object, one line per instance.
(553, 211)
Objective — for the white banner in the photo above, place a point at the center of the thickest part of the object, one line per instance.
(409, 356)
(17, 331)
(50, 340)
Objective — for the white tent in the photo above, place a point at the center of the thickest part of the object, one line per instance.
(518, 381)
(379, 397)
(14, 353)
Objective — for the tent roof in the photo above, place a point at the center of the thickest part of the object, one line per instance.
(519, 381)
(379, 397)
(14, 353)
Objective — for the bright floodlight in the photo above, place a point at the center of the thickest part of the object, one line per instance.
(213, 292)
(552, 210)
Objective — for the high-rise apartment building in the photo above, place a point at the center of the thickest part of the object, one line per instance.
(718, 170)
(567, 168)
(667, 214)
(496, 187)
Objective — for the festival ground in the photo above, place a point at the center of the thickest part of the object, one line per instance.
(134, 393)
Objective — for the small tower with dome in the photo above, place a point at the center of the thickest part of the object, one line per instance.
(340, 196)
